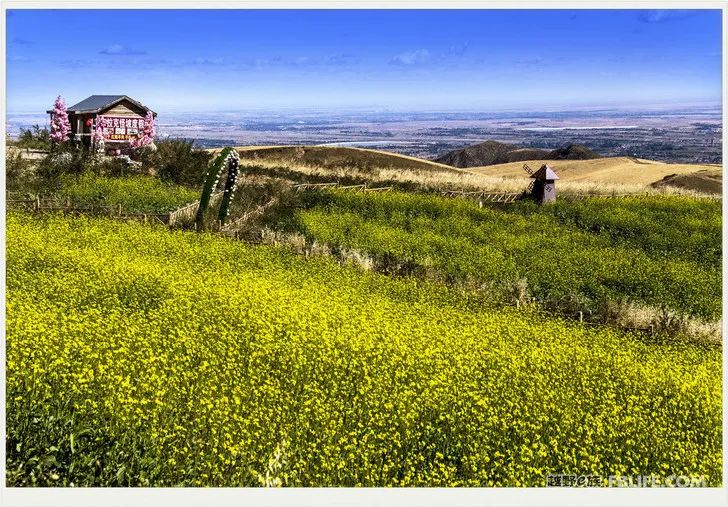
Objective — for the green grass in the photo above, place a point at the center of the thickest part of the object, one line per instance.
(135, 194)
(669, 227)
(142, 356)
(657, 251)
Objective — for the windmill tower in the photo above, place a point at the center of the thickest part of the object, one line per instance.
(543, 186)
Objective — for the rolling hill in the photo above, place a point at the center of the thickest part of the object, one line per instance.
(330, 157)
(494, 152)
(624, 170)
(333, 163)
(709, 181)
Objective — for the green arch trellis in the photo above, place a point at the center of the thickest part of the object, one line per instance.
(228, 158)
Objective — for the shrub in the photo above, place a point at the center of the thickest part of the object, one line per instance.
(176, 160)
(113, 167)
(34, 138)
(66, 160)
(16, 169)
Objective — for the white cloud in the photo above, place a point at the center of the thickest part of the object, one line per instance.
(416, 57)
(661, 15)
(118, 49)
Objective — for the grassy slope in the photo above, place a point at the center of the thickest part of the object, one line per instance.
(336, 156)
(608, 170)
(709, 181)
(136, 194)
(602, 175)
(651, 250)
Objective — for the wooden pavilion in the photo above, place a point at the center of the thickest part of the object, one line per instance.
(124, 119)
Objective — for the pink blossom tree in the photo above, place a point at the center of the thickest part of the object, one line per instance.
(60, 126)
(147, 135)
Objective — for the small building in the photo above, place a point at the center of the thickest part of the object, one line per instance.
(124, 119)
(544, 186)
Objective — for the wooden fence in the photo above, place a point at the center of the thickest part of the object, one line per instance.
(581, 197)
(232, 228)
(478, 195)
(42, 204)
(188, 212)
(39, 204)
(362, 188)
(483, 197)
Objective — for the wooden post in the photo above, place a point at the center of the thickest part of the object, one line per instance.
(581, 316)
(37, 203)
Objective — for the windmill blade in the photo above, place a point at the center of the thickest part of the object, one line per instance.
(548, 188)
(527, 169)
(530, 186)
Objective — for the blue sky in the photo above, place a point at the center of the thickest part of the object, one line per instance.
(177, 60)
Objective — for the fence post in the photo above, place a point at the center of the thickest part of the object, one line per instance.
(581, 316)
(119, 209)
(37, 203)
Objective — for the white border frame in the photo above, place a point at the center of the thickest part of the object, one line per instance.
(452, 497)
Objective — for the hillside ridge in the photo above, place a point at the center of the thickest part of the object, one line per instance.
(495, 152)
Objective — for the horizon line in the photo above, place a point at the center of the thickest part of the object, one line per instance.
(710, 104)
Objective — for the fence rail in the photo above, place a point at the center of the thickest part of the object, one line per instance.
(66, 206)
(362, 187)
(51, 205)
(232, 228)
(483, 197)
(39, 204)
(189, 211)
(581, 197)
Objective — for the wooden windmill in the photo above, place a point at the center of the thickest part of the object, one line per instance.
(543, 186)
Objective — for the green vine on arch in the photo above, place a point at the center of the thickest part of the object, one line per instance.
(228, 158)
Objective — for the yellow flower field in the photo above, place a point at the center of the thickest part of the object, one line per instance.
(141, 356)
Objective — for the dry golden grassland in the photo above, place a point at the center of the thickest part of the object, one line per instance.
(624, 170)
(598, 176)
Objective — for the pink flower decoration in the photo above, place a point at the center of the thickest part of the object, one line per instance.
(60, 126)
(147, 135)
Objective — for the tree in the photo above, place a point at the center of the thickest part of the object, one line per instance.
(35, 138)
(60, 126)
